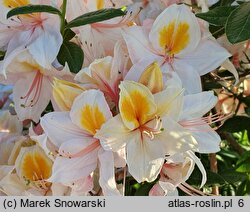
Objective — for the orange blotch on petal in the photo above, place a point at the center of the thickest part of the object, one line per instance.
(134, 108)
(174, 37)
(15, 3)
(92, 118)
(35, 165)
(99, 4)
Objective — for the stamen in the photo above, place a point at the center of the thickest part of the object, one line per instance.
(204, 121)
(151, 132)
(167, 59)
(83, 152)
(191, 190)
(37, 85)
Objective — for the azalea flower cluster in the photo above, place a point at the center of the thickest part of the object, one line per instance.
(136, 108)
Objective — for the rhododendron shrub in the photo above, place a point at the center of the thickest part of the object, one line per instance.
(124, 98)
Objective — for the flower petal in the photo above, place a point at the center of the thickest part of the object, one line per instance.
(136, 104)
(189, 76)
(196, 105)
(208, 56)
(33, 164)
(152, 78)
(12, 185)
(46, 47)
(175, 138)
(114, 135)
(170, 101)
(90, 110)
(59, 128)
(157, 190)
(231, 68)
(208, 140)
(137, 43)
(169, 188)
(149, 157)
(175, 31)
(65, 92)
(82, 187)
(107, 175)
(67, 170)
(200, 166)
(43, 97)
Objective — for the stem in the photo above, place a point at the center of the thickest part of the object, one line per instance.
(232, 142)
(214, 168)
(124, 180)
(64, 6)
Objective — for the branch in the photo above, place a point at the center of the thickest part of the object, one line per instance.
(214, 168)
(232, 142)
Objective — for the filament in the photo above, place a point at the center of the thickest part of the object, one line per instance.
(204, 121)
(152, 131)
(83, 152)
(32, 96)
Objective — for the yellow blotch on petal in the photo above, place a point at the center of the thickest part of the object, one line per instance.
(92, 118)
(15, 3)
(99, 4)
(152, 78)
(174, 37)
(33, 164)
(65, 92)
(136, 104)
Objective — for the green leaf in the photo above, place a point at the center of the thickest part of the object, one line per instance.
(244, 167)
(236, 124)
(217, 16)
(214, 179)
(96, 16)
(72, 54)
(217, 31)
(227, 176)
(229, 154)
(238, 24)
(243, 157)
(231, 176)
(33, 9)
(144, 189)
(241, 188)
(68, 35)
(243, 164)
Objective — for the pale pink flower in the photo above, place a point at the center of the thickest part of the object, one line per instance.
(79, 152)
(175, 173)
(25, 169)
(98, 39)
(106, 73)
(39, 33)
(194, 106)
(176, 42)
(147, 127)
(32, 85)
